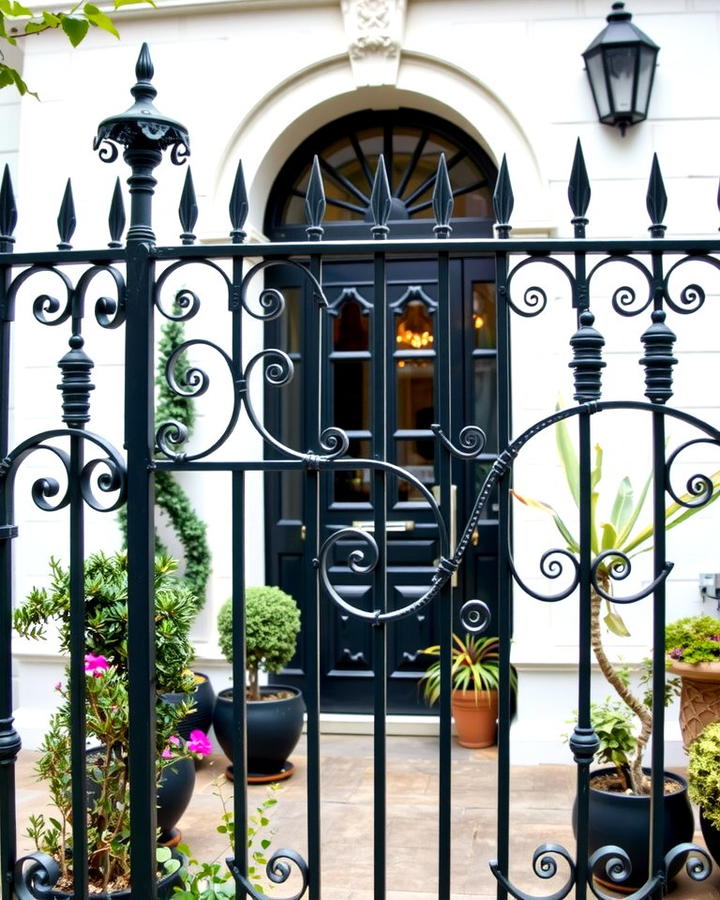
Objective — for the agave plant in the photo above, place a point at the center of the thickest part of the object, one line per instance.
(618, 533)
(474, 666)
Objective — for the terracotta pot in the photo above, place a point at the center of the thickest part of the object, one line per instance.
(699, 698)
(475, 714)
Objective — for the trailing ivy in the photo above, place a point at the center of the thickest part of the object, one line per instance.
(169, 495)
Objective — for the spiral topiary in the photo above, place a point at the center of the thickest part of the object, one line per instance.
(169, 494)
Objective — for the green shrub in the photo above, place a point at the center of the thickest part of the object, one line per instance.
(704, 772)
(272, 623)
(694, 639)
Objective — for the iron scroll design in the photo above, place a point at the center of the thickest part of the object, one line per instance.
(35, 876)
(544, 866)
(50, 310)
(550, 564)
(279, 869)
(195, 382)
(112, 481)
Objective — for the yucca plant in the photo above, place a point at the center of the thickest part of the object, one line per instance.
(474, 666)
(617, 533)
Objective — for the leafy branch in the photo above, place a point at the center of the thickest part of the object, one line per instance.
(17, 22)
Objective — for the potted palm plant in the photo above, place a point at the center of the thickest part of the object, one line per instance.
(475, 678)
(108, 719)
(275, 713)
(693, 648)
(619, 533)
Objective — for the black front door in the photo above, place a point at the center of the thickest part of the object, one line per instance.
(347, 403)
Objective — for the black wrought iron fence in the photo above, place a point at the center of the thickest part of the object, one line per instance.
(101, 476)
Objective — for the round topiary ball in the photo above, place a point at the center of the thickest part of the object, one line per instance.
(272, 623)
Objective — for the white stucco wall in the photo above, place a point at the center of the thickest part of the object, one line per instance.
(250, 80)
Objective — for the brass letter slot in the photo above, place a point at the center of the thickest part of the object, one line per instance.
(369, 525)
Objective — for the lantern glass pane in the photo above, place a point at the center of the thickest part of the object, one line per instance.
(620, 63)
(596, 74)
(645, 77)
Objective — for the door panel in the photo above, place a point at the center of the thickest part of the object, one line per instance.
(347, 402)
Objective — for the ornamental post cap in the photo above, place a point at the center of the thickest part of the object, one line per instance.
(142, 125)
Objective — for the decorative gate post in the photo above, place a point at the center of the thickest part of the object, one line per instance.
(144, 133)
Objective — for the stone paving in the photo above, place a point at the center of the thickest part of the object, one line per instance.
(541, 800)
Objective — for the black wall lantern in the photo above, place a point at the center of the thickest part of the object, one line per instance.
(620, 64)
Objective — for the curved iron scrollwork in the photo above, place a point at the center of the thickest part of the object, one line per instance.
(35, 876)
(697, 865)
(618, 570)
(624, 298)
(692, 296)
(111, 481)
(186, 302)
(471, 439)
(545, 866)
(534, 300)
(279, 869)
(272, 300)
(699, 487)
(49, 310)
(551, 567)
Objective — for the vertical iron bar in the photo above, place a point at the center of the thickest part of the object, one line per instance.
(657, 827)
(504, 578)
(9, 738)
(139, 439)
(240, 797)
(443, 405)
(584, 726)
(77, 671)
(240, 794)
(383, 371)
(658, 341)
(313, 362)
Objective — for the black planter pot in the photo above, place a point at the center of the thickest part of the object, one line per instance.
(712, 838)
(201, 717)
(273, 730)
(174, 793)
(165, 887)
(623, 820)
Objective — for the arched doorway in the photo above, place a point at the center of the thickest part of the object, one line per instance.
(348, 150)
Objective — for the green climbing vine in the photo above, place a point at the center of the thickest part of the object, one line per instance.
(170, 497)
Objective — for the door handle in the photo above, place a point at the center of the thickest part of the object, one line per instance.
(453, 522)
(369, 525)
(475, 537)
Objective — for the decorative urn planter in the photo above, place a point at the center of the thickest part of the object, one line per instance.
(273, 730)
(700, 697)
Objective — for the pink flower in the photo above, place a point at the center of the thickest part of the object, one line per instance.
(167, 752)
(675, 653)
(199, 743)
(95, 665)
(58, 686)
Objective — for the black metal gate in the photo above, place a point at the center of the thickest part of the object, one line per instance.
(141, 272)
